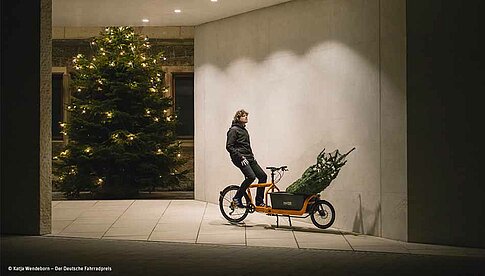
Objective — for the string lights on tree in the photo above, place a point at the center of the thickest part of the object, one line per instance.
(121, 135)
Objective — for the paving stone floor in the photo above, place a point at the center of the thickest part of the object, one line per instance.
(196, 222)
(188, 237)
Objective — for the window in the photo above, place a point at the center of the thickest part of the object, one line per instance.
(60, 98)
(57, 105)
(183, 87)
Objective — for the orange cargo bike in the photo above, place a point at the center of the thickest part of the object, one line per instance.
(284, 204)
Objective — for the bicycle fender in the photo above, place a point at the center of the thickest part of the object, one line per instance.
(228, 187)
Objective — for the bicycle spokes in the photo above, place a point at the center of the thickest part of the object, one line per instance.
(323, 214)
(229, 209)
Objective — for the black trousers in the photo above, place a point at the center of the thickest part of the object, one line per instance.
(251, 172)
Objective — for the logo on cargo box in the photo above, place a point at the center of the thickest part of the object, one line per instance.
(287, 203)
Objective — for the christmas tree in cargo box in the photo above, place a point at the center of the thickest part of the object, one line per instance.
(121, 132)
(319, 176)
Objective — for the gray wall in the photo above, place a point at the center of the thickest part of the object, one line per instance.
(313, 75)
(445, 115)
(26, 117)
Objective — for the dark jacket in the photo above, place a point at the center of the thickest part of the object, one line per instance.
(238, 144)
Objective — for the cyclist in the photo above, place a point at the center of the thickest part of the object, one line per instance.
(239, 148)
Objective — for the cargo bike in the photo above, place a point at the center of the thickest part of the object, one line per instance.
(289, 205)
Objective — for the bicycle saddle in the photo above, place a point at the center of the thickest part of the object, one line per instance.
(277, 169)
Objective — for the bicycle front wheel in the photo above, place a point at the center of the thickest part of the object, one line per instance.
(322, 214)
(231, 212)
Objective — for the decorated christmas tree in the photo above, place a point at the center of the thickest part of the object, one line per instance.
(121, 131)
(318, 176)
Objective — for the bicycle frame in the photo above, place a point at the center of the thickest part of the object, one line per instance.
(271, 186)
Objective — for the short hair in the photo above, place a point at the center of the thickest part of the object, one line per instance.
(239, 114)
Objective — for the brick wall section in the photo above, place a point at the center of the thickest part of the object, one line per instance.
(179, 52)
(176, 42)
(173, 32)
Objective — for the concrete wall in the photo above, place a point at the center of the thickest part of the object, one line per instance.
(26, 117)
(445, 116)
(313, 75)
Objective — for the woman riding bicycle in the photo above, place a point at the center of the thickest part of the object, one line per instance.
(239, 148)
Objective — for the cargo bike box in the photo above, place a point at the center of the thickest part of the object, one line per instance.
(287, 201)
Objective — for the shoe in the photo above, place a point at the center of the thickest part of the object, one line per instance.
(261, 204)
(238, 202)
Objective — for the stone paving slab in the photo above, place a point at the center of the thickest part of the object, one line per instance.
(96, 220)
(190, 221)
(133, 230)
(100, 214)
(265, 233)
(135, 222)
(59, 213)
(76, 227)
(233, 238)
(59, 225)
(130, 238)
(75, 204)
(269, 242)
(318, 240)
(368, 243)
(92, 235)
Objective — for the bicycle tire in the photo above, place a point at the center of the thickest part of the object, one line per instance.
(322, 210)
(232, 213)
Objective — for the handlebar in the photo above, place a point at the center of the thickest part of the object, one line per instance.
(273, 169)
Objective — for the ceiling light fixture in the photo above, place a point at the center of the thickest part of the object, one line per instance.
(145, 20)
(213, 0)
(177, 11)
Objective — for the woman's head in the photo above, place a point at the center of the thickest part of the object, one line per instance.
(241, 116)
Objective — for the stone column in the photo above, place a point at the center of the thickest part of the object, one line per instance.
(26, 32)
(392, 55)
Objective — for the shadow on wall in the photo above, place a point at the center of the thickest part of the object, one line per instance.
(359, 226)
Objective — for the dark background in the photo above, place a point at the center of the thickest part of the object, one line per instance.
(20, 116)
(445, 84)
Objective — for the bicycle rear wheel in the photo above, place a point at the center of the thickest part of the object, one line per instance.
(322, 214)
(231, 212)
